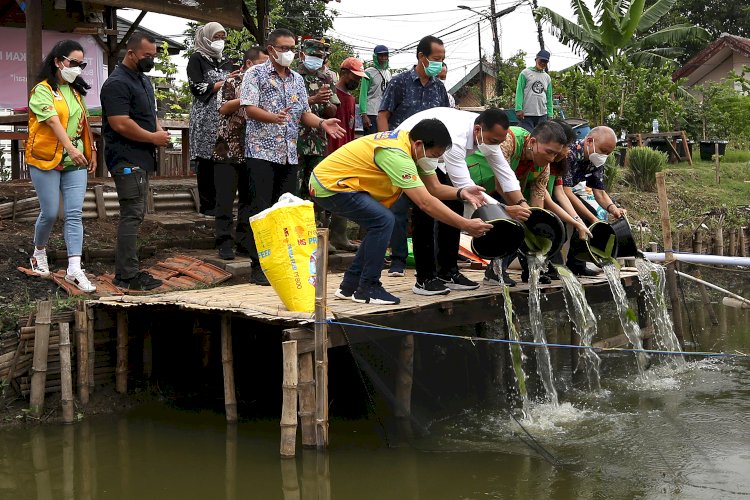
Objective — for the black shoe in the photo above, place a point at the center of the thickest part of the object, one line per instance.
(458, 281)
(241, 250)
(432, 286)
(491, 277)
(583, 271)
(257, 276)
(552, 273)
(140, 282)
(543, 278)
(225, 251)
(374, 294)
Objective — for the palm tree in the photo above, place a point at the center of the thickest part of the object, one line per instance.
(623, 28)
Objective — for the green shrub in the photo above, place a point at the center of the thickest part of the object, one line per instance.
(643, 164)
(611, 171)
(736, 156)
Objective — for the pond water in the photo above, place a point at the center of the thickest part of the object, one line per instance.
(681, 433)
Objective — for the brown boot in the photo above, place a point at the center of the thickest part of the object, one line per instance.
(338, 235)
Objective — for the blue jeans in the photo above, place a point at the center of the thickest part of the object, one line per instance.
(530, 122)
(377, 220)
(399, 248)
(49, 184)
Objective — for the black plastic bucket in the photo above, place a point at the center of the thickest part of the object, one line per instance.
(581, 249)
(708, 149)
(503, 239)
(544, 224)
(626, 246)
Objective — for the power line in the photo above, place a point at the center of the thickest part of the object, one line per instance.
(364, 16)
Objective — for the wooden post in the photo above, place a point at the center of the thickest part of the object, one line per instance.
(306, 387)
(669, 260)
(686, 146)
(121, 372)
(321, 341)
(718, 163)
(150, 207)
(719, 240)
(289, 404)
(82, 347)
(707, 300)
(34, 14)
(101, 210)
(41, 346)
(66, 382)
(697, 241)
(289, 480)
(733, 242)
(743, 242)
(91, 347)
(227, 360)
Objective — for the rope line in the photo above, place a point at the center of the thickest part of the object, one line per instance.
(530, 343)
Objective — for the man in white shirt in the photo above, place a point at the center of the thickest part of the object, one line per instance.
(469, 132)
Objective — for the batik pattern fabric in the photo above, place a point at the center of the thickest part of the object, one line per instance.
(230, 134)
(581, 169)
(203, 73)
(314, 141)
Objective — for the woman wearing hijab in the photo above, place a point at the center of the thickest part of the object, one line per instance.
(59, 152)
(206, 70)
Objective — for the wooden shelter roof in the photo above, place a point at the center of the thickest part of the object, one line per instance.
(723, 44)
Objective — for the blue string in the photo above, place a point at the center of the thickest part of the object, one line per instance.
(522, 342)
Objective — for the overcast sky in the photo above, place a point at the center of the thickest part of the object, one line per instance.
(398, 24)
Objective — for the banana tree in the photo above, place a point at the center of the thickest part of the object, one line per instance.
(622, 28)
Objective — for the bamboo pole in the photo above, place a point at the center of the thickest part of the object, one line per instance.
(66, 382)
(719, 240)
(718, 163)
(323, 470)
(697, 241)
(321, 341)
(289, 480)
(91, 357)
(39, 368)
(707, 300)
(306, 388)
(289, 404)
(666, 230)
(733, 242)
(717, 288)
(743, 242)
(227, 360)
(68, 462)
(82, 353)
(121, 374)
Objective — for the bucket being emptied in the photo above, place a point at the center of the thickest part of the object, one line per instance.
(626, 246)
(503, 239)
(599, 249)
(544, 233)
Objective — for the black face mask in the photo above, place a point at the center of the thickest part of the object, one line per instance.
(145, 65)
(351, 85)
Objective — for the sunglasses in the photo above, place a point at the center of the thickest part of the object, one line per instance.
(75, 64)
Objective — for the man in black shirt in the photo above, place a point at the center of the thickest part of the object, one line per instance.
(131, 134)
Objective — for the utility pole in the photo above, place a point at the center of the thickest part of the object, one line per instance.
(480, 73)
(494, 19)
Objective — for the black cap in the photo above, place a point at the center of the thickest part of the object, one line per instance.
(543, 55)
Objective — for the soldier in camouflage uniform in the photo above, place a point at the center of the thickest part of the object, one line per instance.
(313, 143)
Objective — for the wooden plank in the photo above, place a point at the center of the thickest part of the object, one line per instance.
(101, 210)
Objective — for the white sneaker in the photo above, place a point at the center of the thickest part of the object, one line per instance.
(39, 265)
(80, 280)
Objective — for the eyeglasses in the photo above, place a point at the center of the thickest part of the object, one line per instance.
(75, 64)
(284, 48)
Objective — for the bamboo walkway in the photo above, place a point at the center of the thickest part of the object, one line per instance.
(262, 304)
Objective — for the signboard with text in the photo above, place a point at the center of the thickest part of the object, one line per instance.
(13, 63)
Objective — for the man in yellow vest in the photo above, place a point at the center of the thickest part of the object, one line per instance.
(362, 179)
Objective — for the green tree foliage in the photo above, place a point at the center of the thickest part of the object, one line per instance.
(508, 71)
(723, 109)
(172, 99)
(715, 17)
(622, 28)
(625, 97)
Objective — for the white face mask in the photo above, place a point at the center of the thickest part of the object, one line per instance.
(487, 149)
(426, 163)
(597, 159)
(284, 58)
(69, 74)
(218, 45)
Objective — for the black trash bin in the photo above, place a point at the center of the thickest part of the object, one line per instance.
(663, 146)
(708, 149)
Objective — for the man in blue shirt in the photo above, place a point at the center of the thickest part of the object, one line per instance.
(407, 94)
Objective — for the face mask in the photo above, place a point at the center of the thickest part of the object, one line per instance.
(70, 74)
(487, 149)
(597, 159)
(433, 68)
(312, 63)
(351, 85)
(145, 65)
(218, 45)
(426, 163)
(284, 58)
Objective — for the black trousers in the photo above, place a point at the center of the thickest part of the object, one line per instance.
(204, 173)
(268, 181)
(435, 244)
(132, 189)
(230, 178)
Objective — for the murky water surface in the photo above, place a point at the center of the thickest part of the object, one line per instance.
(678, 433)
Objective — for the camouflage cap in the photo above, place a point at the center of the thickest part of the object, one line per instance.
(315, 45)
